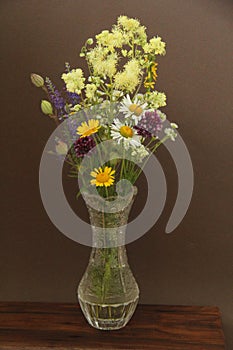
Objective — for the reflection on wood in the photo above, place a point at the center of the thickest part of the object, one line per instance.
(25, 326)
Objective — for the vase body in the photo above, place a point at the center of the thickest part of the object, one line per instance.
(108, 293)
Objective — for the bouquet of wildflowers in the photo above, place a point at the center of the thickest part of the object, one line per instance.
(108, 124)
(117, 101)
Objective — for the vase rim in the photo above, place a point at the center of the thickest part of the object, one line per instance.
(102, 199)
(111, 204)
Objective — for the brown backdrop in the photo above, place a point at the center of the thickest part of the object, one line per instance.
(194, 264)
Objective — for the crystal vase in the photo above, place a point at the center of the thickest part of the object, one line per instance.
(108, 293)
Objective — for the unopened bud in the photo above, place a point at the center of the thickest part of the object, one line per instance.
(174, 126)
(46, 107)
(37, 80)
(89, 41)
(61, 148)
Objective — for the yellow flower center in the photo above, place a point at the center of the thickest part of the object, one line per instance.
(126, 131)
(136, 109)
(102, 177)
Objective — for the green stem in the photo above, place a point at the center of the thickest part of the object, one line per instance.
(152, 151)
(122, 165)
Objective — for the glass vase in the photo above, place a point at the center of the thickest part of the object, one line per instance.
(108, 293)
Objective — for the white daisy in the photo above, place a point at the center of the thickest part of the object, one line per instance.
(125, 134)
(132, 109)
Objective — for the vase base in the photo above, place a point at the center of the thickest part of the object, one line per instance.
(108, 317)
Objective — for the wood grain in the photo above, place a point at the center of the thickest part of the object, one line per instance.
(41, 326)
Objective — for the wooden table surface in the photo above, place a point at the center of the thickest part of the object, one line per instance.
(41, 326)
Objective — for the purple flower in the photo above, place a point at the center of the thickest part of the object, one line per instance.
(72, 97)
(55, 97)
(150, 124)
(83, 145)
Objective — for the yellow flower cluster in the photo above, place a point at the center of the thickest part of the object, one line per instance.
(125, 42)
(129, 24)
(90, 91)
(156, 99)
(102, 63)
(111, 40)
(155, 46)
(129, 78)
(74, 80)
(131, 30)
(141, 37)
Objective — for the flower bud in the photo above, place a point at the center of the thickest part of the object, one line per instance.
(37, 80)
(89, 41)
(174, 126)
(46, 107)
(61, 148)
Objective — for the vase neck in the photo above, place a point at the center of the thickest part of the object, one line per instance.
(108, 237)
(115, 257)
(109, 227)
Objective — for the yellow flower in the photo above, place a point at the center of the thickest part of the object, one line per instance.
(103, 177)
(74, 80)
(118, 38)
(105, 38)
(154, 70)
(110, 65)
(89, 128)
(90, 91)
(129, 78)
(141, 37)
(155, 46)
(96, 55)
(110, 40)
(151, 76)
(149, 84)
(103, 64)
(156, 99)
(129, 24)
